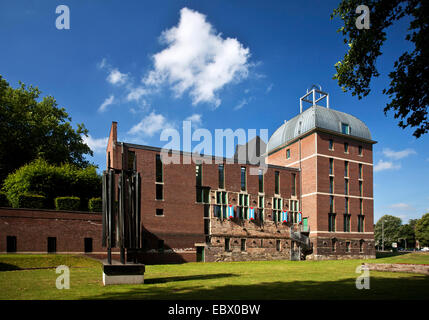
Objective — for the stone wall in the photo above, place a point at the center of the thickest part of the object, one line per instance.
(398, 267)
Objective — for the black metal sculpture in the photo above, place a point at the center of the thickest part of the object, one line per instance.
(121, 209)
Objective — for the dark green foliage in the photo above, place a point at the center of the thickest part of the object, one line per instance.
(4, 202)
(39, 177)
(422, 230)
(95, 205)
(32, 128)
(409, 85)
(391, 230)
(67, 203)
(32, 201)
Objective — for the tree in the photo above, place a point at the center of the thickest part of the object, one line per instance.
(31, 128)
(409, 85)
(422, 230)
(391, 230)
(406, 234)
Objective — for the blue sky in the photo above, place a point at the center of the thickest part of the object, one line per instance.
(126, 61)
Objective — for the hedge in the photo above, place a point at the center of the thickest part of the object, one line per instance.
(40, 177)
(31, 201)
(95, 205)
(4, 202)
(67, 203)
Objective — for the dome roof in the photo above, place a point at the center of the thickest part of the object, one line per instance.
(317, 117)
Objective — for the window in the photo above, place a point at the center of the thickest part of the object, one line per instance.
(277, 182)
(331, 167)
(261, 200)
(331, 222)
(348, 246)
(331, 144)
(278, 245)
(221, 169)
(243, 206)
(87, 245)
(11, 244)
(345, 128)
(331, 184)
(199, 174)
(161, 246)
(220, 209)
(334, 245)
(288, 154)
(346, 186)
(346, 205)
(227, 244)
(346, 223)
(261, 181)
(346, 147)
(159, 180)
(243, 178)
(52, 244)
(361, 220)
(360, 188)
(360, 150)
(361, 206)
(202, 193)
(243, 244)
(346, 168)
(331, 204)
(361, 246)
(277, 209)
(293, 209)
(360, 170)
(131, 157)
(159, 212)
(293, 192)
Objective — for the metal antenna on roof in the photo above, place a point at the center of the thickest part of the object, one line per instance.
(313, 91)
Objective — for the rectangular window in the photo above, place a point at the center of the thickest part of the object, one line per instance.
(331, 184)
(360, 188)
(346, 147)
(288, 154)
(278, 245)
(361, 206)
(159, 173)
(243, 244)
(221, 169)
(220, 209)
(199, 174)
(88, 245)
(277, 182)
(227, 244)
(361, 246)
(331, 166)
(131, 157)
(347, 246)
(293, 192)
(334, 245)
(159, 191)
(261, 200)
(243, 178)
(360, 150)
(346, 186)
(345, 128)
(331, 204)
(293, 210)
(331, 144)
(346, 205)
(331, 222)
(159, 212)
(277, 209)
(360, 170)
(346, 168)
(346, 223)
(361, 219)
(243, 205)
(11, 244)
(261, 181)
(52, 244)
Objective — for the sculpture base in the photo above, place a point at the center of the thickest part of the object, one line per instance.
(123, 274)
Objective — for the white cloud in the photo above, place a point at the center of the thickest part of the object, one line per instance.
(106, 103)
(116, 77)
(197, 59)
(396, 155)
(150, 125)
(385, 165)
(402, 207)
(269, 88)
(97, 145)
(196, 120)
(135, 94)
(241, 104)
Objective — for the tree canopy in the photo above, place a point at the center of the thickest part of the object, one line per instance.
(32, 128)
(391, 230)
(422, 230)
(409, 80)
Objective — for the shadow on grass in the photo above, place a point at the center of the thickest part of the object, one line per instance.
(187, 278)
(8, 267)
(386, 254)
(412, 287)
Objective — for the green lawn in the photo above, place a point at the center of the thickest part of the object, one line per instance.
(234, 280)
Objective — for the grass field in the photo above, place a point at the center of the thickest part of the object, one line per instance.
(34, 277)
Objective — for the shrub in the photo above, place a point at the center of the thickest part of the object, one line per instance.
(40, 177)
(95, 205)
(4, 202)
(32, 201)
(67, 203)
